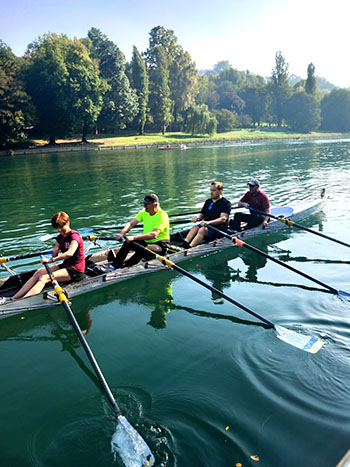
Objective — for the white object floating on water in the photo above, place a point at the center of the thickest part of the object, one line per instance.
(307, 343)
(130, 446)
(45, 237)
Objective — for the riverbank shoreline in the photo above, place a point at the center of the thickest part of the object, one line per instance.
(91, 146)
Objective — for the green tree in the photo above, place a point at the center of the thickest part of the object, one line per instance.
(221, 66)
(140, 82)
(303, 112)
(120, 103)
(182, 70)
(335, 110)
(65, 85)
(183, 82)
(16, 110)
(200, 121)
(311, 84)
(159, 100)
(279, 87)
(226, 120)
(256, 101)
(159, 36)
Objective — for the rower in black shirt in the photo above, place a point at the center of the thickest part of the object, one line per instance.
(215, 211)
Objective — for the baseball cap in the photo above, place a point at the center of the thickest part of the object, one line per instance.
(151, 198)
(253, 181)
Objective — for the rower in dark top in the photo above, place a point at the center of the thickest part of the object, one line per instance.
(215, 211)
(256, 199)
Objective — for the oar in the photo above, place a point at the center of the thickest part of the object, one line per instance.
(29, 255)
(117, 227)
(185, 221)
(299, 226)
(341, 294)
(126, 440)
(301, 341)
(196, 212)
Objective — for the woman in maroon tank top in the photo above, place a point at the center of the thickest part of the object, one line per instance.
(69, 248)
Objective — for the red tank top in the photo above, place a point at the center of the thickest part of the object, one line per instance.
(77, 261)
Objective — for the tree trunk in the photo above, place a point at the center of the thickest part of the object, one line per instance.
(52, 140)
(83, 139)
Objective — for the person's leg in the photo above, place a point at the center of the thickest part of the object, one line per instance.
(61, 275)
(202, 233)
(122, 254)
(137, 256)
(253, 221)
(238, 218)
(191, 234)
(32, 281)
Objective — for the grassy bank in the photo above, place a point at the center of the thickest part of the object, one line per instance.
(177, 138)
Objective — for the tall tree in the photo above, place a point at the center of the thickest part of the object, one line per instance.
(279, 86)
(64, 83)
(183, 82)
(256, 100)
(160, 102)
(182, 70)
(120, 103)
(16, 110)
(302, 112)
(159, 36)
(140, 82)
(311, 84)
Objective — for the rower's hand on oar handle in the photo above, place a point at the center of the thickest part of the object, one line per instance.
(43, 259)
(195, 219)
(119, 238)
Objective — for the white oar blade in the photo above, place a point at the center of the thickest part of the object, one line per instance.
(130, 446)
(46, 237)
(306, 343)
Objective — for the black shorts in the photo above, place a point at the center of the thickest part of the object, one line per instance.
(75, 275)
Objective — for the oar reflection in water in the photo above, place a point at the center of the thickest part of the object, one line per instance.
(237, 241)
(300, 341)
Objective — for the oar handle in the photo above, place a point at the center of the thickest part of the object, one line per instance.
(174, 266)
(64, 301)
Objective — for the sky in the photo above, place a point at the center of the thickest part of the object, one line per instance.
(247, 33)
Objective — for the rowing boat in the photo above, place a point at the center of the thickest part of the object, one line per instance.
(98, 279)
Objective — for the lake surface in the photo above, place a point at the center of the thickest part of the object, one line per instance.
(203, 382)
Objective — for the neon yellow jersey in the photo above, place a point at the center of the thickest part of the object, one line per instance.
(159, 220)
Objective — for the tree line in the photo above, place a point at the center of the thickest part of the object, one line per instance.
(64, 86)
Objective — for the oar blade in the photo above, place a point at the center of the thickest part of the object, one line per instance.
(130, 446)
(307, 343)
(345, 296)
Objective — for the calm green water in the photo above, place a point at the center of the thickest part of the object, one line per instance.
(182, 365)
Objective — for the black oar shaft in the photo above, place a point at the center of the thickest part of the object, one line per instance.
(299, 226)
(63, 299)
(29, 255)
(239, 242)
(174, 266)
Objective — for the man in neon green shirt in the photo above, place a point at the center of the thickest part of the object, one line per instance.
(155, 233)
